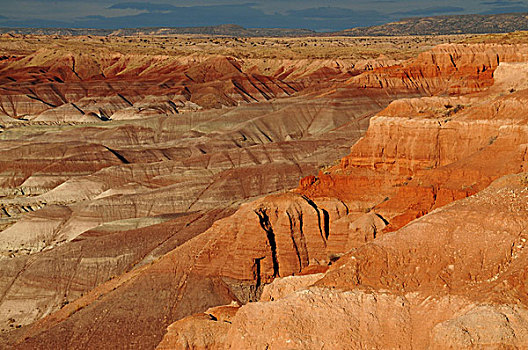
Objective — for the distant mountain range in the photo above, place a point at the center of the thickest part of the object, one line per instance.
(437, 25)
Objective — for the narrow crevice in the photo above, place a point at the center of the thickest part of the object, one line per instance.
(295, 246)
(347, 210)
(264, 85)
(322, 232)
(299, 243)
(266, 226)
(435, 195)
(188, 77)
(261, 91)
(41, 100)
(288, 85)
(73, 69)
(118, 155)
(77, 108)
(232, 61)
(326, 223)
(453, 61)
(383, 219)
(59, 93)
(264, 134)
(125, 99)
(242, 90)
(6, 212)
(280, 87)
(257, 272)
(173, 106)
(103, 116)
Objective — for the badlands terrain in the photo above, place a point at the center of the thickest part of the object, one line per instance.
(193, 192)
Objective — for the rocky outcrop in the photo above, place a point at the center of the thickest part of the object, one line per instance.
(57, 85)
(433, 280)
(420, 154)
(446, 69)
(209, 330)
(201, 331)
(436, 283)
(281, 287)
(66, 223)
(193, 212)
(232, 261)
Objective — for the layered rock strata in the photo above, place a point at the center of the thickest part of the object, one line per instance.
(194, 185)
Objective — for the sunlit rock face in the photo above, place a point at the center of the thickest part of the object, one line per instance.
(214, 201)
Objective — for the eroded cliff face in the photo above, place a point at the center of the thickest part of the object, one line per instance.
(420, 154)
(105, 211)
(175, 211)
(446, 69)
(437, 281)
(58, 85)
(452, 279)
(172, 182)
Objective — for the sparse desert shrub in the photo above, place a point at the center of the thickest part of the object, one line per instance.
(524, 179)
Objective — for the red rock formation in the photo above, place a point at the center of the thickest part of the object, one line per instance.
(58, 85)
(202, 331)
(437, 283)
(448, 68)
(200, 164)
(421, 154)
(418, 155)
(209, 330)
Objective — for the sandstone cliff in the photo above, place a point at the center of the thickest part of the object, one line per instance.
(157, 222)
(437, 282)
(452, 279)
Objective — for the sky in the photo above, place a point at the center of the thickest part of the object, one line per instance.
(328, 15)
